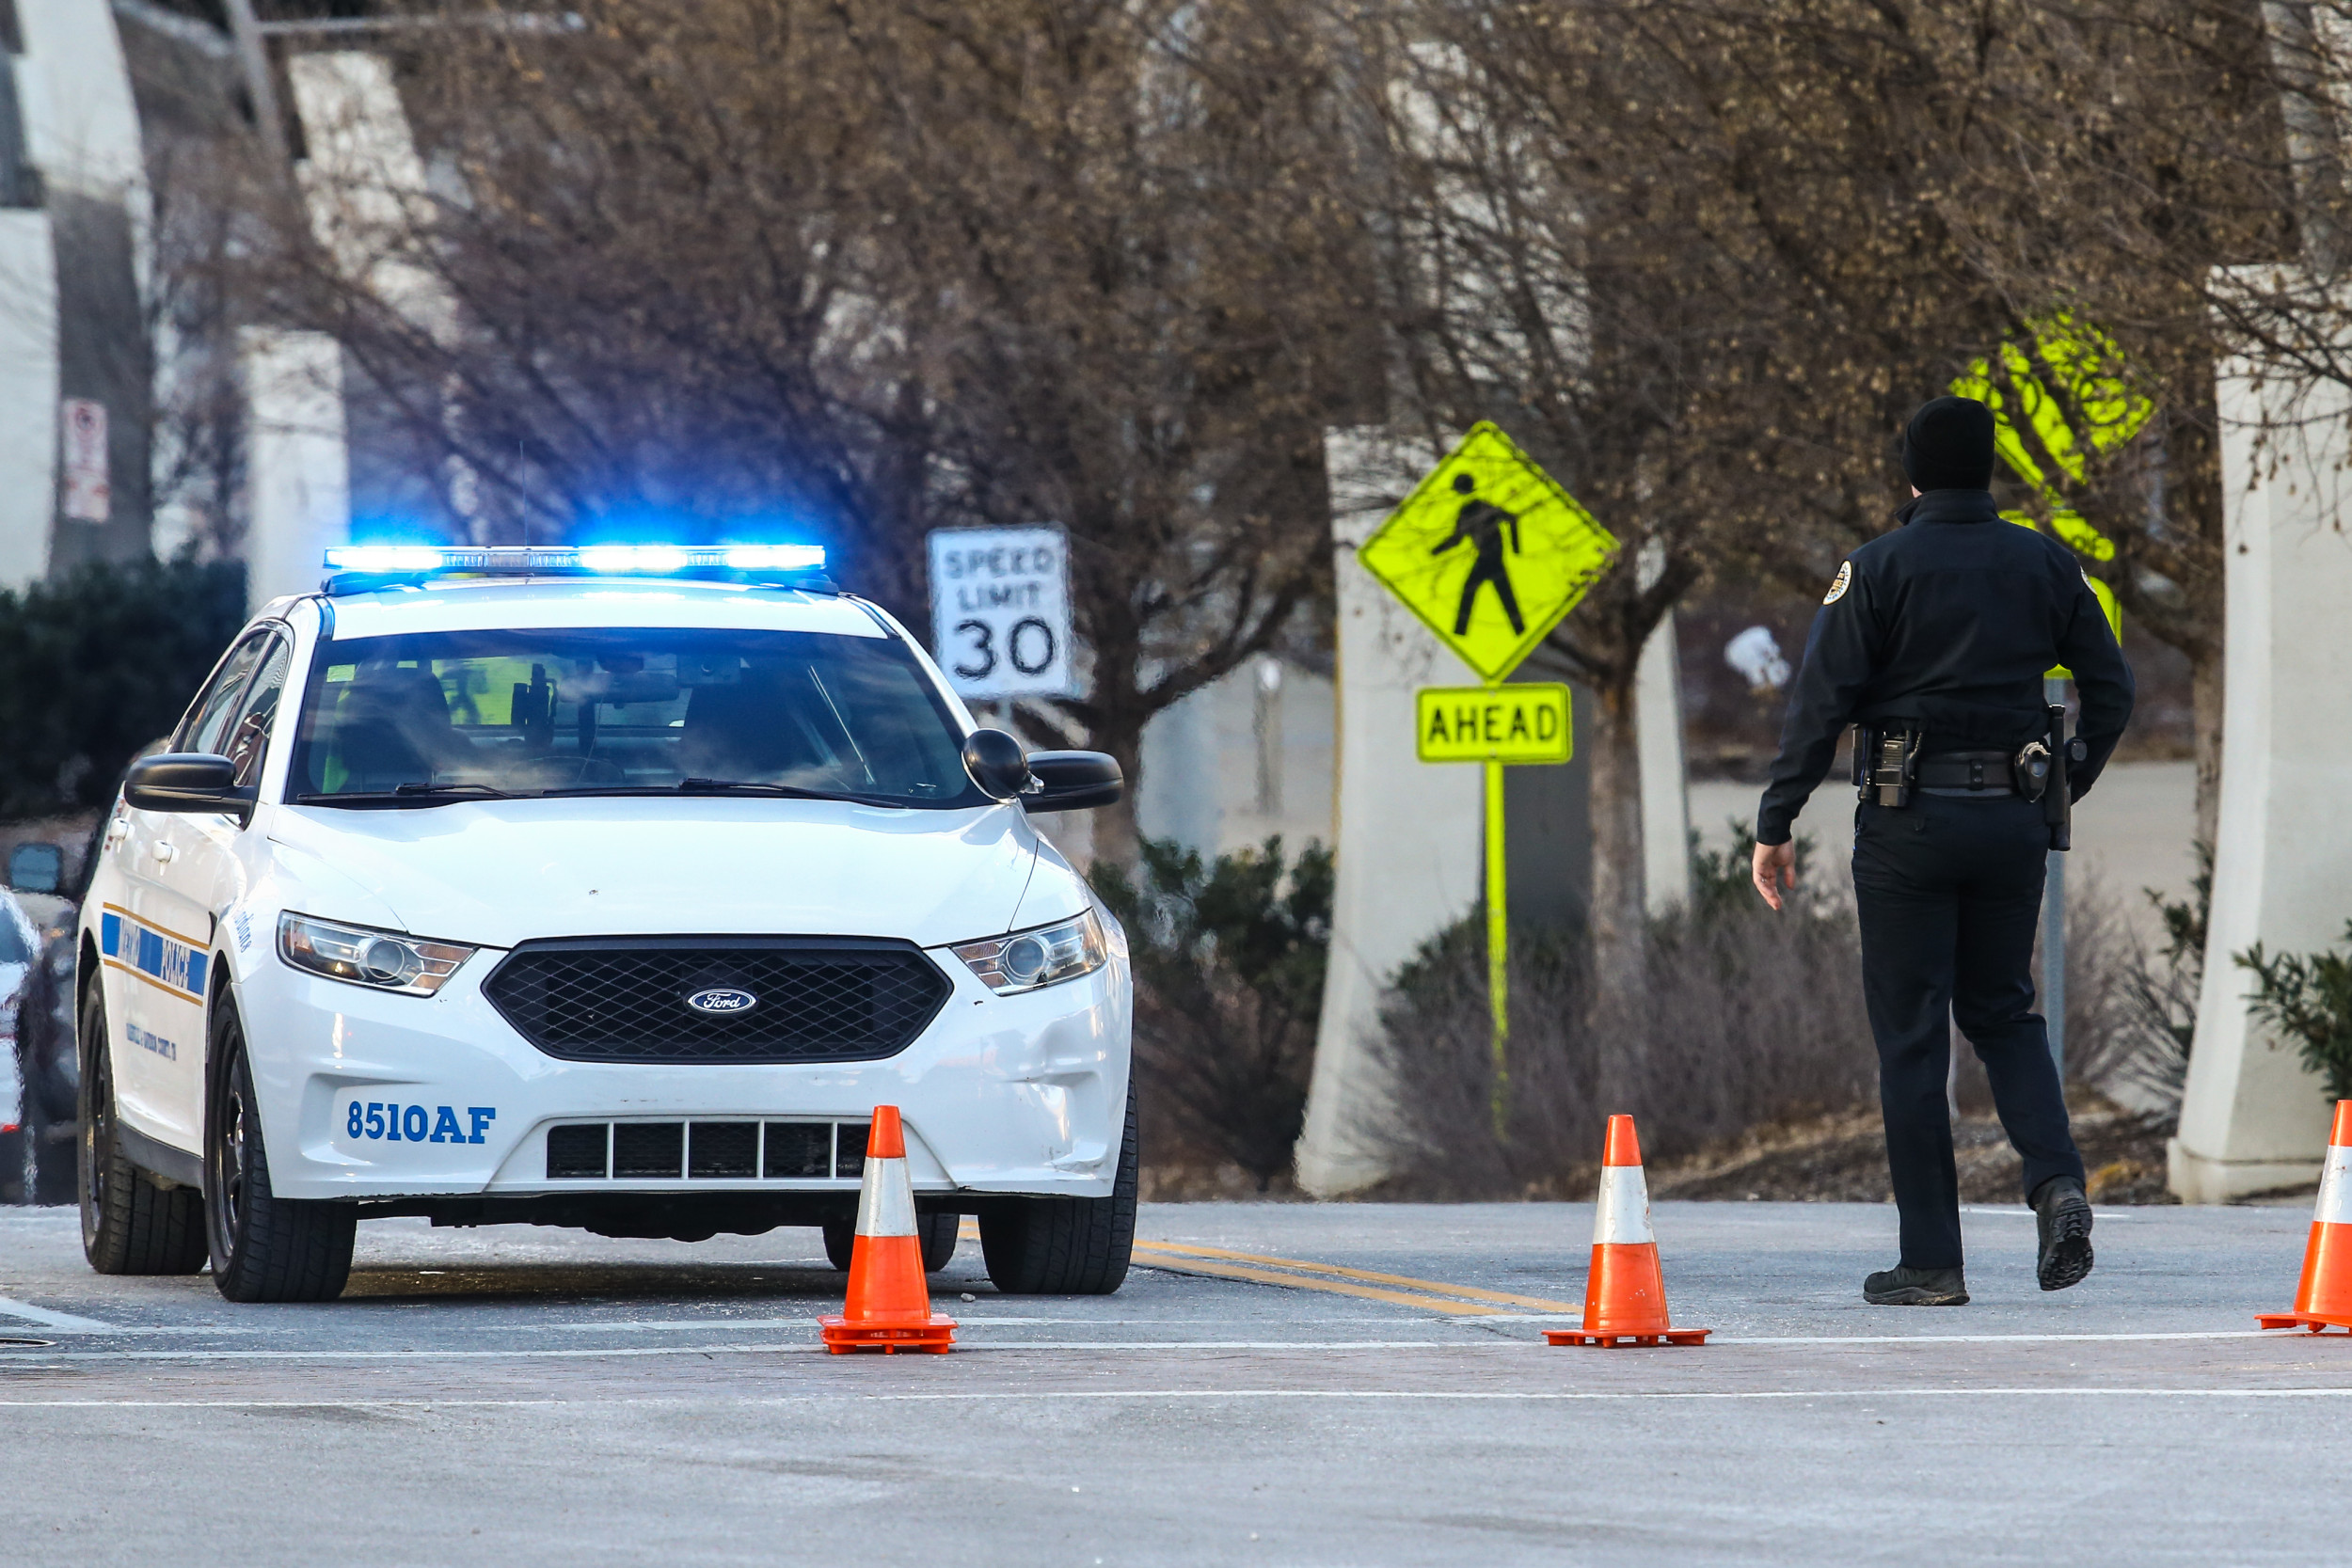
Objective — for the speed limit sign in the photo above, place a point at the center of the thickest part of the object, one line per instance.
(1000, 610)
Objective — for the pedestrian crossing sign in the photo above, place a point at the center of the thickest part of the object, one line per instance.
(1489, 552)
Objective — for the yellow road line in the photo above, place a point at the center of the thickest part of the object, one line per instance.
(1467, 1292)
(1299, 1282)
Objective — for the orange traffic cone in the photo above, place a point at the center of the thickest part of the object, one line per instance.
(2324, 1299)
(1625, 1297)
(890, 1303)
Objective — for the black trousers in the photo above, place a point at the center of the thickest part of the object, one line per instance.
(1949, 893)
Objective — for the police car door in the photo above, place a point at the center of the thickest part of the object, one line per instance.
(158, 944)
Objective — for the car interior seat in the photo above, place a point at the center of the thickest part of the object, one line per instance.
(391, 727)
(747, 730)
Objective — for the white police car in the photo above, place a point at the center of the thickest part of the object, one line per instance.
(607, 888)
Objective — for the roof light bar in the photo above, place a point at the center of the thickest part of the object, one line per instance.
(600, 560)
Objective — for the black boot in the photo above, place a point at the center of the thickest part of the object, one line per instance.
(2063, 1216)
(1904, 1286)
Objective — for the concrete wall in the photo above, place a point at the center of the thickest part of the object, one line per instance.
(2252, 1118)
(1245, 758)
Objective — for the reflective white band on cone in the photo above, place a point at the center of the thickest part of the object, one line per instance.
(886, 1200)
(1622, 1216)
(2335, 1188)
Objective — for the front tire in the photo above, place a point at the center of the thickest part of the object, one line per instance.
(263, 1248)
(1066, 1246)
(129, 1224)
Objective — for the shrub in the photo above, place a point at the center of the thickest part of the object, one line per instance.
(1228, 959)
(2158, 1016)
(96, 664)
(1748, 1017)
(2308, 997)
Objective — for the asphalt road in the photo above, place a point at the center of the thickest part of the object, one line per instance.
(522, 1397)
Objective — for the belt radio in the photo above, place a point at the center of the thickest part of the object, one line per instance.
(1887, 761)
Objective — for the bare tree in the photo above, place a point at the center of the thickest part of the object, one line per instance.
(1702, 257)
(874, 267)
(636, 287)
(1146, 301)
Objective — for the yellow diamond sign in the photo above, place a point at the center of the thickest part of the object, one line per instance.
(1489, 552)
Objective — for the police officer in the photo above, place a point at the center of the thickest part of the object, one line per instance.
(1934, 638)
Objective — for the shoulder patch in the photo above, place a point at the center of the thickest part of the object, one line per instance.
(2087, 582)
(1845, 581)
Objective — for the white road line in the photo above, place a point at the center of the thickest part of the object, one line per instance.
(2007, 1338)
(608, 1353)
(41, 1315)
(1565, 1394)
(1439, 1395)
(962, 1316)
(730, 1325)
(1483, 1343)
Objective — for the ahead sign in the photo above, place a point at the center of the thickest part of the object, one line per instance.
(1000, 610)
(1522, 723)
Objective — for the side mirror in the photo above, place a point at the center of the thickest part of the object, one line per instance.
(1071, 781)
(995, 760)
(188, 782)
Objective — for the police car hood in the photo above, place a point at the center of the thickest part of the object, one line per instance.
(500, 872)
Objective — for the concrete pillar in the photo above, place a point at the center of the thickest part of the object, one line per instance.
(2252, 1117)
(28, 391)
(365, 186)
(1406, 834)
(1665, 781)
(81, 132)
(299, 488)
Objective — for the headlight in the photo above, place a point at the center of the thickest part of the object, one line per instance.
(1046, 955)
(385, 959)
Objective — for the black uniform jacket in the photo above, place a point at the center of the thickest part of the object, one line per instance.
(1949, 622)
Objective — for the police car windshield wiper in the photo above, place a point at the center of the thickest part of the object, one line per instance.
(783, 792)
(747, 786)
(422, 794)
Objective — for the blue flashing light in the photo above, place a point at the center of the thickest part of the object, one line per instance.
(384, 558)
(630, 560)
(774, 558)
(598, 560)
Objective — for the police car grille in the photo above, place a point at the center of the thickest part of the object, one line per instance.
(625, 1000)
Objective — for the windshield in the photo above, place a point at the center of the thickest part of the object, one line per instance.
(436, 717)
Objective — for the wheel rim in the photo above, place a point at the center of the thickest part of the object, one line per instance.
(231, 1184)
(97, 1134)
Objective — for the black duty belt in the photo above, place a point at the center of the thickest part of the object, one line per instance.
(1965, 773)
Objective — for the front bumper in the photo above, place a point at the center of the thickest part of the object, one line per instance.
(368, 1095)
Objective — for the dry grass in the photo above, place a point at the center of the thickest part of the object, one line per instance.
(1747, 1020)
(1842, 1159)
(1759, 1074)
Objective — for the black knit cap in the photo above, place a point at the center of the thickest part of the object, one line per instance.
(1948, 446)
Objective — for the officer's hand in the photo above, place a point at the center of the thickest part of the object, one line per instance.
(1775, 868)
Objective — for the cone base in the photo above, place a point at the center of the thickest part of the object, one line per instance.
(1610, 1342)
(936, 1335)
(2301, 1320)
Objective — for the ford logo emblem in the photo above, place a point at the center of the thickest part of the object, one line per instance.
(723, 999)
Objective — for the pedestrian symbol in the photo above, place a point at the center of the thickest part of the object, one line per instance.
(1489, 552)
